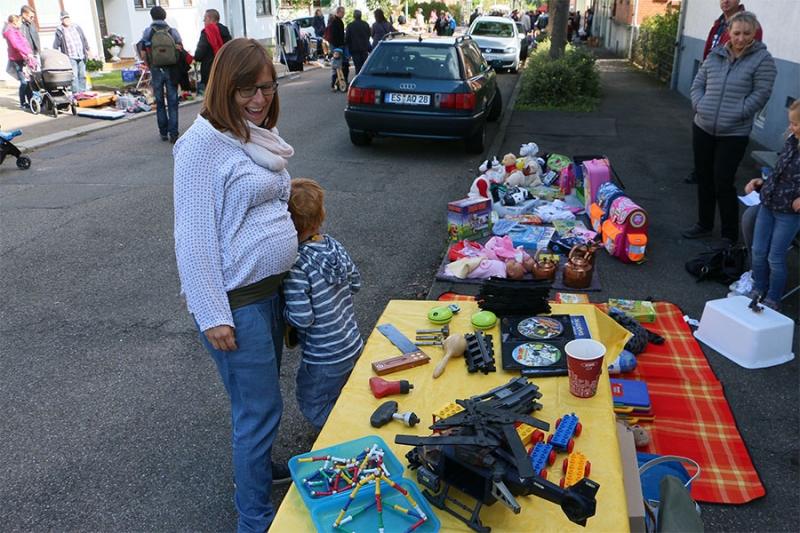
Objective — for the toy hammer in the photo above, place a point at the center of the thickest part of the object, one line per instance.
(453, 345)
(388, 412)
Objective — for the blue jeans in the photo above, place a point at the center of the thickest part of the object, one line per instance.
(251, 378)
(774, 231)
(25, 91)
(318, 388)
(166, 115)
(78, 75)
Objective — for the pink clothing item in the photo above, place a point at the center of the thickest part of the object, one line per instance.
(18, 47)
(502, 249)
(489, 268)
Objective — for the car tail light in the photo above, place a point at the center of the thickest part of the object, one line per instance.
(457, 101)
(356, 95)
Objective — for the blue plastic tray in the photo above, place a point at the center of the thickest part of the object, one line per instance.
(324, 513)
(300, 471)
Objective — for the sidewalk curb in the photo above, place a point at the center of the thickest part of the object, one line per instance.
(53, 138)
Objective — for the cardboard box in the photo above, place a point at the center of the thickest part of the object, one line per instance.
(641, 310)
(630, 476)
(470, 218)
(571, 298)
(96, 102)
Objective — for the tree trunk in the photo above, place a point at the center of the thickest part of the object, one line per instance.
(559, 16)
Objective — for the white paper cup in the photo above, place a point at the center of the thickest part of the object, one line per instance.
(585, 364)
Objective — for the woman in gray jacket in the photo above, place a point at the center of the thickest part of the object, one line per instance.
(733, 84)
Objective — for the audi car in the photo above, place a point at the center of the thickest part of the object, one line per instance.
(424, 87)
(499, 40)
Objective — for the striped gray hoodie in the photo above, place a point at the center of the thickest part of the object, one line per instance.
(319, 293)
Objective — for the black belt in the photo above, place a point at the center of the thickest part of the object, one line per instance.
(255, 291)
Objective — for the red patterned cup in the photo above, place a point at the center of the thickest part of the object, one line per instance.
(585, 364)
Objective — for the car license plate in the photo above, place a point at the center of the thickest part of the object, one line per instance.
(408, 99)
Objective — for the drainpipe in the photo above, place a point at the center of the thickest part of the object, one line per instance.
(633, 26)
(244, 19)
(676, 62)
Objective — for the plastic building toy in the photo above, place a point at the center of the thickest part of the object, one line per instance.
(479, 452)
(341, 474)
(479, 353)
(8, 148)
(527, 434)
(576, 467)
(540, 454)
(415, 513)
(566, 427)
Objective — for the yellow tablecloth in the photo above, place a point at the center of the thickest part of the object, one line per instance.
(598, 442)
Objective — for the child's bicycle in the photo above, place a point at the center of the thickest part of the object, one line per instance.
(7, 147)
(341, 83)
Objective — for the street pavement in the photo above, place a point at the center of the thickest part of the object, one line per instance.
(645, 130)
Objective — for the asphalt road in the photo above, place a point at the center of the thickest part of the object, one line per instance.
(112, 417)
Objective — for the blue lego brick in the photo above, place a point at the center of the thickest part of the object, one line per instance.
(564, 432)
(539, 457)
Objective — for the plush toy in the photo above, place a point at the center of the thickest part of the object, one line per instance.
(493, 171)
(516, 179)
(638, 343)
(531, 164)
(509, 163)
(480, 188)
(516, 195)
(640, 436)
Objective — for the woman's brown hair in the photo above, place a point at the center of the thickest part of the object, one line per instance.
(239, 63)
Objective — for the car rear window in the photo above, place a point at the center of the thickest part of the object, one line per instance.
(414, 61)
(492, 29)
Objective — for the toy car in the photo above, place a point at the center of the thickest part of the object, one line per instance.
(576, 467)
(566, 427)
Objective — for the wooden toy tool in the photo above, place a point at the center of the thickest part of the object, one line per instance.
(453, 345)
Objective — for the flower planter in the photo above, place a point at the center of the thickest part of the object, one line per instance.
(114, 51)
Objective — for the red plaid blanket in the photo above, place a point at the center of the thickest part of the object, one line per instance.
(692, 415)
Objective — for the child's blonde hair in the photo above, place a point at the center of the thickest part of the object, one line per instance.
(306, 204)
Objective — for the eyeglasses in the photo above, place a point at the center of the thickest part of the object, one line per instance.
(268, 89)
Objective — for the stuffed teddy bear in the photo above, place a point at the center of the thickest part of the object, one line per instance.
(509, 164)
(516, 179)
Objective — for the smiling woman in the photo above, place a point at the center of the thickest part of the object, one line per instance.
(234, 242)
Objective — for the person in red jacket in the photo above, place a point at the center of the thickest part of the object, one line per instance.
(212, 37)
(19, 54)
(717, 36)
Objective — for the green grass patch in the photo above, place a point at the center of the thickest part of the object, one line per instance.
(109, 79)
(570, 83)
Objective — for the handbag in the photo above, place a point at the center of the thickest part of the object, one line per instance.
(666, 483)
(11, 69)
(724, 265)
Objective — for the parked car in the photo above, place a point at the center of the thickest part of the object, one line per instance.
(425, 87)
(499, 40)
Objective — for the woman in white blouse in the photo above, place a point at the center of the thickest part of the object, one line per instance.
(234, 242)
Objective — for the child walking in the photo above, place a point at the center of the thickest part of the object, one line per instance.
(319, 293)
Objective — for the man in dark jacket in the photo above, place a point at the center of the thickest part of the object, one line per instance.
(212, 37)
(357, 40)
(29, 29)
(163, 78)
(337, 39)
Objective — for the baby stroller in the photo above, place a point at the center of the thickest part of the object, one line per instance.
(8, 148)
(52, 85)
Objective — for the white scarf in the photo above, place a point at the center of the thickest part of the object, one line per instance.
(266, 148)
